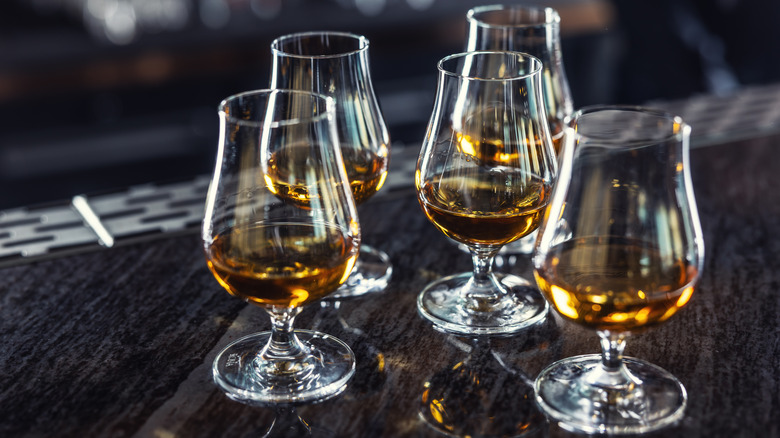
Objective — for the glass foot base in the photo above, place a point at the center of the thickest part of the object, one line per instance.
(441, 303)
(371, 274)
(571, 392)
(236, 372)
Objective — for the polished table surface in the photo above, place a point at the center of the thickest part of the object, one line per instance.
(119, 342)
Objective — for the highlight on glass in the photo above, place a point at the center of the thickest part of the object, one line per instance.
(484, 177)
(280, 231)
(620, 250)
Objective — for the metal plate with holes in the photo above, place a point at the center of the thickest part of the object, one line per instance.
(37, 232)
(103, 220)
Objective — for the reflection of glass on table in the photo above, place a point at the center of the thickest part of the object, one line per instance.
(481, 396)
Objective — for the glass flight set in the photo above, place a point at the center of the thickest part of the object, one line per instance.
(600, 200)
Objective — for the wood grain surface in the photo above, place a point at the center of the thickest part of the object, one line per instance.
(119, 342)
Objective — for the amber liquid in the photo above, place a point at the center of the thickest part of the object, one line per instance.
(484, 139)
(615, 284)
(284, 265)
(496, 152)
(488, 152)
(289, 168)
(366, 172)
(483, 207)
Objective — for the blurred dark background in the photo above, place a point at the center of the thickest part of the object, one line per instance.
(98, 95)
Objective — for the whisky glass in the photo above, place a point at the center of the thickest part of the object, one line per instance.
(336, 64)
(620, 250)
(483, 178)
(534, 30)
(280, 231)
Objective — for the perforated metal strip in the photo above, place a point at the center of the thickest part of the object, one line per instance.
(91, 222)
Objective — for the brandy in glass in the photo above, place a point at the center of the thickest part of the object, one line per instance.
(620, 250)
(280, 231)
(336, 64)
(483, 178)
(534, 30)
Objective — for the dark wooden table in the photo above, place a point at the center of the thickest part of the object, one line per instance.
(119, 342)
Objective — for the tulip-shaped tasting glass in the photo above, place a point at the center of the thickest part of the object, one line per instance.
(534, 30)
(620, 250)
(484, 177)
(336, 64)
(280, 231)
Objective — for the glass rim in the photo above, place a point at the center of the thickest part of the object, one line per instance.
(536, 66)
(678, 125)
(551, 16)
(223, 105)
(362, 40)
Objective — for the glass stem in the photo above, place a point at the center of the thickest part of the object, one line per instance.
(613, 374)
(482, 293)
(612, 346)
(284, 356)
